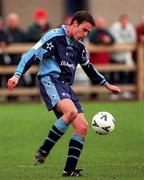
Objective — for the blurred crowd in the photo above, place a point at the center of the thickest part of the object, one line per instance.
(122, 31)
(10, 32)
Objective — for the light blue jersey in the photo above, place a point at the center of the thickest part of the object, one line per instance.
(59, 56)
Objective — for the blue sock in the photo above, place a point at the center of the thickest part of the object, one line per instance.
(75, 148)
(58, 129)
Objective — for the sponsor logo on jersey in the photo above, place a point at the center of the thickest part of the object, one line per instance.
(65, 63)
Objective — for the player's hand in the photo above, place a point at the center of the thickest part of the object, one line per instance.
(114, 89)
(12, 82)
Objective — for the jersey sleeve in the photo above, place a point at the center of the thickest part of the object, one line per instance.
(44, 48)
(90, 70)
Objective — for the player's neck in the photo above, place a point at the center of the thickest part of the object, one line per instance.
(69, 31)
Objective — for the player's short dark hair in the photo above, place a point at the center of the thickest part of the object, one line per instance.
(81, 16)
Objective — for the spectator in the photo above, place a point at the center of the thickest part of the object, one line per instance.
(123, 32)
(140, 35)
(140, 30)
(3, 33)
(100, 36)
(67, 20)
(40, 25)
(3, 39)
(15, 35)
(3, 43)
(35, 31)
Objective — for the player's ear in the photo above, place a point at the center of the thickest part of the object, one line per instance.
(75, 23)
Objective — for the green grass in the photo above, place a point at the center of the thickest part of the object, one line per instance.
(119, 155)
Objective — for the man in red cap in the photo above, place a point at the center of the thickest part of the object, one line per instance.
(40, 25)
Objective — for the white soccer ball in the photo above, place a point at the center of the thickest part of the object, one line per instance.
(103, 123)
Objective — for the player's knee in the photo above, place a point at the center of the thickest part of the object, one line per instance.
(83, 129)
(71, 114)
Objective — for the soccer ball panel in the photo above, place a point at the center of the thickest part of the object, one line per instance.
(103, 123)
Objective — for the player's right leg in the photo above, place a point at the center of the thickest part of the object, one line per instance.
(59, 128)
(54, 99)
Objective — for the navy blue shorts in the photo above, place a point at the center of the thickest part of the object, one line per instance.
(54, 90)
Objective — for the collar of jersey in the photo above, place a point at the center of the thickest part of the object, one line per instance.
(69, 40)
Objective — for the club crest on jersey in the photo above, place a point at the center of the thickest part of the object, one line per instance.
(70, 54)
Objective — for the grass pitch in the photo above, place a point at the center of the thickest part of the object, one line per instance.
(119, 155)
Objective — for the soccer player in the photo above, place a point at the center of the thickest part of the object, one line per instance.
(59, 52)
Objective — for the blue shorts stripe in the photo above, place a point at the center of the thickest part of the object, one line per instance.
(51, 90)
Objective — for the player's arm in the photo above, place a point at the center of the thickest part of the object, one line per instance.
(96, 76)
(25, 63)
(93, 74)
(41, 50)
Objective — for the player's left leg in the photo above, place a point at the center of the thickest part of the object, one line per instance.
(59, 128)
(76, 143)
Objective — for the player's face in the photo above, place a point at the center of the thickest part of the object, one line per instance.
(80, 31)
